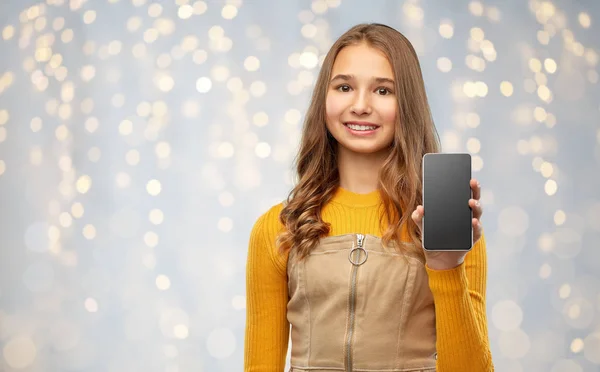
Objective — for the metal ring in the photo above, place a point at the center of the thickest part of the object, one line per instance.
(359, 263)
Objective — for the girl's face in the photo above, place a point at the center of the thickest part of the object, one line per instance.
(361, 106)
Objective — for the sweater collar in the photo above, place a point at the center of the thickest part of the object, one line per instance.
(352, 199)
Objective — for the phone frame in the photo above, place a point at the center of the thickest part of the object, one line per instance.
(423, 192)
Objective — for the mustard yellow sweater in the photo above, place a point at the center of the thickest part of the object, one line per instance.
(459, 294)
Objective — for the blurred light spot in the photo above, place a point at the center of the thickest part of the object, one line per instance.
(564, 291)
(444, 64)
(8, 32)
(151, 239)
(413, 11)
(477, 163)
(543, 37)
(308, 60)
(263, 150)
(513, 221)
(156, 216)
(260, 119)
(539, 114)
(162, 282)
(91, 124)
(550, 65)
(473, 145)
(143, 109)
(493, 14)
(238, 302)
(162, 150)
(258, 88)
(545, 271)
(546, 242)
(477, 34)
(155, 10)
(153, 187)
(294, 116)
(132, 157)
(591, 349)
(181, 331)
(83, 184)
(559, 217)
(507, 315)
(123, 180)
(450, 140)
(19, 352)
(577, 345)
(580, 313)
(309, 31)
(125, 127)
(584, 20)
(199, 7)
(535, 65)
(319, 6)
(203, 85)
(65, 219)
(225, 150)
(229, 11)
(225, 224)
(550, 187)
(89, 232)
(472, 119)
(235, 84)
(77, 210)
(514, 344)
(506, 88)
(221, 343)
(164, 82)
(544, 93)
(91, 305)
(251, 63)
(185, 11)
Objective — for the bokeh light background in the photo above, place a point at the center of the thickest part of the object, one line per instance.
(140, 140)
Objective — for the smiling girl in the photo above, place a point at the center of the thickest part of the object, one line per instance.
(341, 260)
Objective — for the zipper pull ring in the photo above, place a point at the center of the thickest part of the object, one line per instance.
(359, 242)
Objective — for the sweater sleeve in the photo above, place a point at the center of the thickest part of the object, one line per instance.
(460, 309)
(267, 327)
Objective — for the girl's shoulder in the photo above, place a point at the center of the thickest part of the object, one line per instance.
(268, 222)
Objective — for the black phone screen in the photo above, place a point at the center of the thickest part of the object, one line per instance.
(446, 193)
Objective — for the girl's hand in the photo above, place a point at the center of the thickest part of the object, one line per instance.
(449, 260)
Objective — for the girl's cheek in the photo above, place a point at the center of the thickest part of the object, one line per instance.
(333, 105)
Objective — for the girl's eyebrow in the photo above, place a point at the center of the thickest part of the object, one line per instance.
(346, 77)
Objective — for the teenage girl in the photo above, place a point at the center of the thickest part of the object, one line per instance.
(341, 260)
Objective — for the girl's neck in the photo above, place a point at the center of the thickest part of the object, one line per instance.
(359, 173)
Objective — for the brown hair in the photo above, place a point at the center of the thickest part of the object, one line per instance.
(400, 176)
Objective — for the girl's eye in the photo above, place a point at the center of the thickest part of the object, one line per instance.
(383, 91)
(344, 88)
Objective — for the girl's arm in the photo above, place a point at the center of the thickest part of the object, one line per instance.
(267, 328)
(460, 310)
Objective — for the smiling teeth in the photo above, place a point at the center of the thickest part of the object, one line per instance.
(361, 127)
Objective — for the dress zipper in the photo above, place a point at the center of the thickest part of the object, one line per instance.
(355, 259)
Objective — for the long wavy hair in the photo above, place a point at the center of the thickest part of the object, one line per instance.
(400, 176)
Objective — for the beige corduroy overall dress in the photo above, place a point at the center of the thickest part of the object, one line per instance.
(356, 305)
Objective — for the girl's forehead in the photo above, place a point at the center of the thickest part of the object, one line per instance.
(362, 60)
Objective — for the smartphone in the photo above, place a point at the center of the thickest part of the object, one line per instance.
(447, 215)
